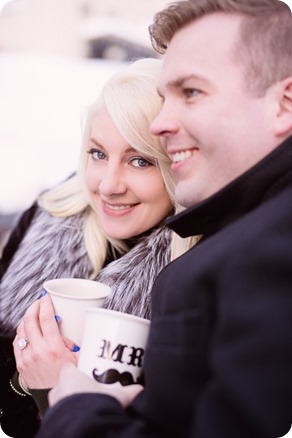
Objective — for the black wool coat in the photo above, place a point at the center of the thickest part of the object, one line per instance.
(219, 358)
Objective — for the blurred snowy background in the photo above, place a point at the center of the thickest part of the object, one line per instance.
(54, 58)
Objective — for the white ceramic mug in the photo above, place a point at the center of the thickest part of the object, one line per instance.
(113, 345)
(70, 297)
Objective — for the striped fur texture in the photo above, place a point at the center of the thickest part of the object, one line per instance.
(53, 248)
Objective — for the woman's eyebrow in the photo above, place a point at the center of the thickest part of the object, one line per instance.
(128, 150)
(92, 139)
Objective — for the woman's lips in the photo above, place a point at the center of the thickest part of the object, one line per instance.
(117, 209)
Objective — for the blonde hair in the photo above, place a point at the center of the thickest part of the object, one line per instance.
(263, 47)
(131, 99)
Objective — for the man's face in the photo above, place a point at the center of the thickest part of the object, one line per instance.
(211, 125)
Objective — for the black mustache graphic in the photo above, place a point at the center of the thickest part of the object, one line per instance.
(112, 376)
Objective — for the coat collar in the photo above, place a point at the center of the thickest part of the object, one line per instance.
(264, 180)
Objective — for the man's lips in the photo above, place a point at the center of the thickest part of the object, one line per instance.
(177, 157)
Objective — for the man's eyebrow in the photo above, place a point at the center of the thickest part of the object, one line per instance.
(177, 83)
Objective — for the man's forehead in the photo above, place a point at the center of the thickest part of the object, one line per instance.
(209, 34)
(195, 50)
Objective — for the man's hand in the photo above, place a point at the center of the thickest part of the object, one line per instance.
(73, 381)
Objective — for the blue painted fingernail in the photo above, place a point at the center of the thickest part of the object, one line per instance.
(43, 293)
(75, 348)
(57, 318)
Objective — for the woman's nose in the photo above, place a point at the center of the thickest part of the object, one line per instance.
(112, 182)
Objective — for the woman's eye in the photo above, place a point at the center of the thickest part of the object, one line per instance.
(140, 162)
(96, 154)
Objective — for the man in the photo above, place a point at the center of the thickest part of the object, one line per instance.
(219, 357)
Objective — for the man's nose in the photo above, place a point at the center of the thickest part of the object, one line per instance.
(165, 123)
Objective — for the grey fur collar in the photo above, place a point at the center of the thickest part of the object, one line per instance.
(53, 247)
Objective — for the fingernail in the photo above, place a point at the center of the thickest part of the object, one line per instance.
(43, 293)
(75, 348)
(57, 318)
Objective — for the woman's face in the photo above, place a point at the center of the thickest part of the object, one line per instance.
(126, 191)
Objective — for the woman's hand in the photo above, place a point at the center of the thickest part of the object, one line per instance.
(73, 381)
(39, 363)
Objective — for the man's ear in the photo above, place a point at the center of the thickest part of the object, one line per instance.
(283, 122)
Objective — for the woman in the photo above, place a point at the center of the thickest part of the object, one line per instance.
(104, 223)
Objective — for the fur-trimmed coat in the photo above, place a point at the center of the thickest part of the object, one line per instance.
(44, 247)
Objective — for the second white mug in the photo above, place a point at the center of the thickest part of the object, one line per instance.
(113, 345)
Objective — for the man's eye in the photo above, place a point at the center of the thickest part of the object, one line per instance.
(140, 162)
(97, 154)
(191, 92)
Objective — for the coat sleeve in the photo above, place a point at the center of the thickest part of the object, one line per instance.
(13, 406)
(19, 415)
(93, 415)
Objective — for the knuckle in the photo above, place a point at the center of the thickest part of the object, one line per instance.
(28, 317)
(46, 317)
